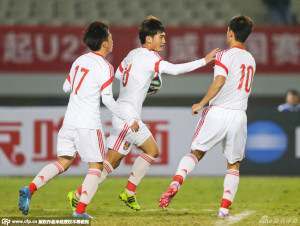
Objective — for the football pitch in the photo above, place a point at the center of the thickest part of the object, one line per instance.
(259, 201)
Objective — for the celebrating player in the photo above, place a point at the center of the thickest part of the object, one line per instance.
(90, 77)
(136, 72)
(224, 120)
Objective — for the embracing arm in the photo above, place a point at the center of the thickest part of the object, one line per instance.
(213, 90)
(112, 105)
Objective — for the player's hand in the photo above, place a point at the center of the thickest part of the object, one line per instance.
(211, 56)
(135, 126)
(196, 108)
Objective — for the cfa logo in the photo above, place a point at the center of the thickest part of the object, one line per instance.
(266, 142)
(5, 221)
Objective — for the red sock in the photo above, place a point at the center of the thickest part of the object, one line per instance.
(225, 203)
(81, 208)
(32, 188)
(130, 186)
(79, 190)
(178, 178)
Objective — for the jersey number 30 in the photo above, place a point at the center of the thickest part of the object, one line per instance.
(250, 73)
(85, 71)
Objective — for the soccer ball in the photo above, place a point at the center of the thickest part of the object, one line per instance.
(155, 85)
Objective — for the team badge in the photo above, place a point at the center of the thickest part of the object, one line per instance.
(126, 145)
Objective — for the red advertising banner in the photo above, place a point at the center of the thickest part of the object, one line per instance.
(45, 49)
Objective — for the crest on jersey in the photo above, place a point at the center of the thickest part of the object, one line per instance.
(126, 145)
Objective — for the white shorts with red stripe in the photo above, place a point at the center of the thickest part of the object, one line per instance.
(122, 138)
(219, 124)
(89, 143)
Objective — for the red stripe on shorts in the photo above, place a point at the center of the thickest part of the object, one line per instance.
(121, 138)
(204, 113)
(101, 144)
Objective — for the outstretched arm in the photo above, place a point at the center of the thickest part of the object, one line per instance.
(111, 104)
(175, 69)
(213, 90)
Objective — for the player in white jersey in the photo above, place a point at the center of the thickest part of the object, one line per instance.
(224, 120)
(135, 73)
(90, 77)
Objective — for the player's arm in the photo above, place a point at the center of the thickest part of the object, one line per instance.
(67, 85)
(175, 69)
(213, 90)
(111, 104)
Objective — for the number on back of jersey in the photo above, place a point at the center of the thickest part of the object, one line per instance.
(155, 85)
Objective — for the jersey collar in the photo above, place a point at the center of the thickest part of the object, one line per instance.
(97, 54)
(146, 48)
(238, 47)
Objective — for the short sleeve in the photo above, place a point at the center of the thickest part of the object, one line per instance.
(221, 64)
(106, 80)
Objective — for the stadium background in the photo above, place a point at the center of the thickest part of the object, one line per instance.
(40, 39)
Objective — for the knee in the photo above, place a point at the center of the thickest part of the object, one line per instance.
(153, 153)
(199, 154)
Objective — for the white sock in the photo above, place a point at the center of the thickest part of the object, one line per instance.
(231, 183)
(107, 169)
(140, 168)
(186, 165)
(90, 185)
(47, 173)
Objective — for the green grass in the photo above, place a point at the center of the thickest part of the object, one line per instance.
(197, 202)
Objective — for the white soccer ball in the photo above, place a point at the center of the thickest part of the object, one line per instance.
(155, 85)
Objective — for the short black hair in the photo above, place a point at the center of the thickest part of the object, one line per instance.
(149, 27)
(241, 26)
(293, 92)
(95, 34)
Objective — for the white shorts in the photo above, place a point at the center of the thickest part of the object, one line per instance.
(122, 138)
(89, 143)
(220, 124)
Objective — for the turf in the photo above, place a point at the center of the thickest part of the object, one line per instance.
(197, 202)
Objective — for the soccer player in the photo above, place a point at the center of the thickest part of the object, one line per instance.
(224, 120)
(90, 77)
(136, 72)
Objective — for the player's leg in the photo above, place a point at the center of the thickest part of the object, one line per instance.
(90, 144)
(139, 169)
(230, 185)
(42, 178)
(207, 134)
(234, 149)
(186, 165)
(112, 161)
(88, 189)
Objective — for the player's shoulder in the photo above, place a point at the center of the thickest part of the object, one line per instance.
(220, 55)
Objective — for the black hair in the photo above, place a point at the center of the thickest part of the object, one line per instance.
(149, 27)
(95, 34)
(241, 26)
(293, 92)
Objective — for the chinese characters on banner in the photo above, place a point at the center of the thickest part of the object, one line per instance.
(28, 137)
(43, 49)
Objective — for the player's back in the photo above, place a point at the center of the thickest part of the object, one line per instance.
(135, 73)
(88, 76)
(238, 66)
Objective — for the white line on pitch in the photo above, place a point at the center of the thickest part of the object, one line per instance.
(235, 218)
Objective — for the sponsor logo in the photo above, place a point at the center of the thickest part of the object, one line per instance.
(266, 142)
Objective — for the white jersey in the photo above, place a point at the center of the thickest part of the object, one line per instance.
(238, 66)
(136, 72)
(90, 77)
